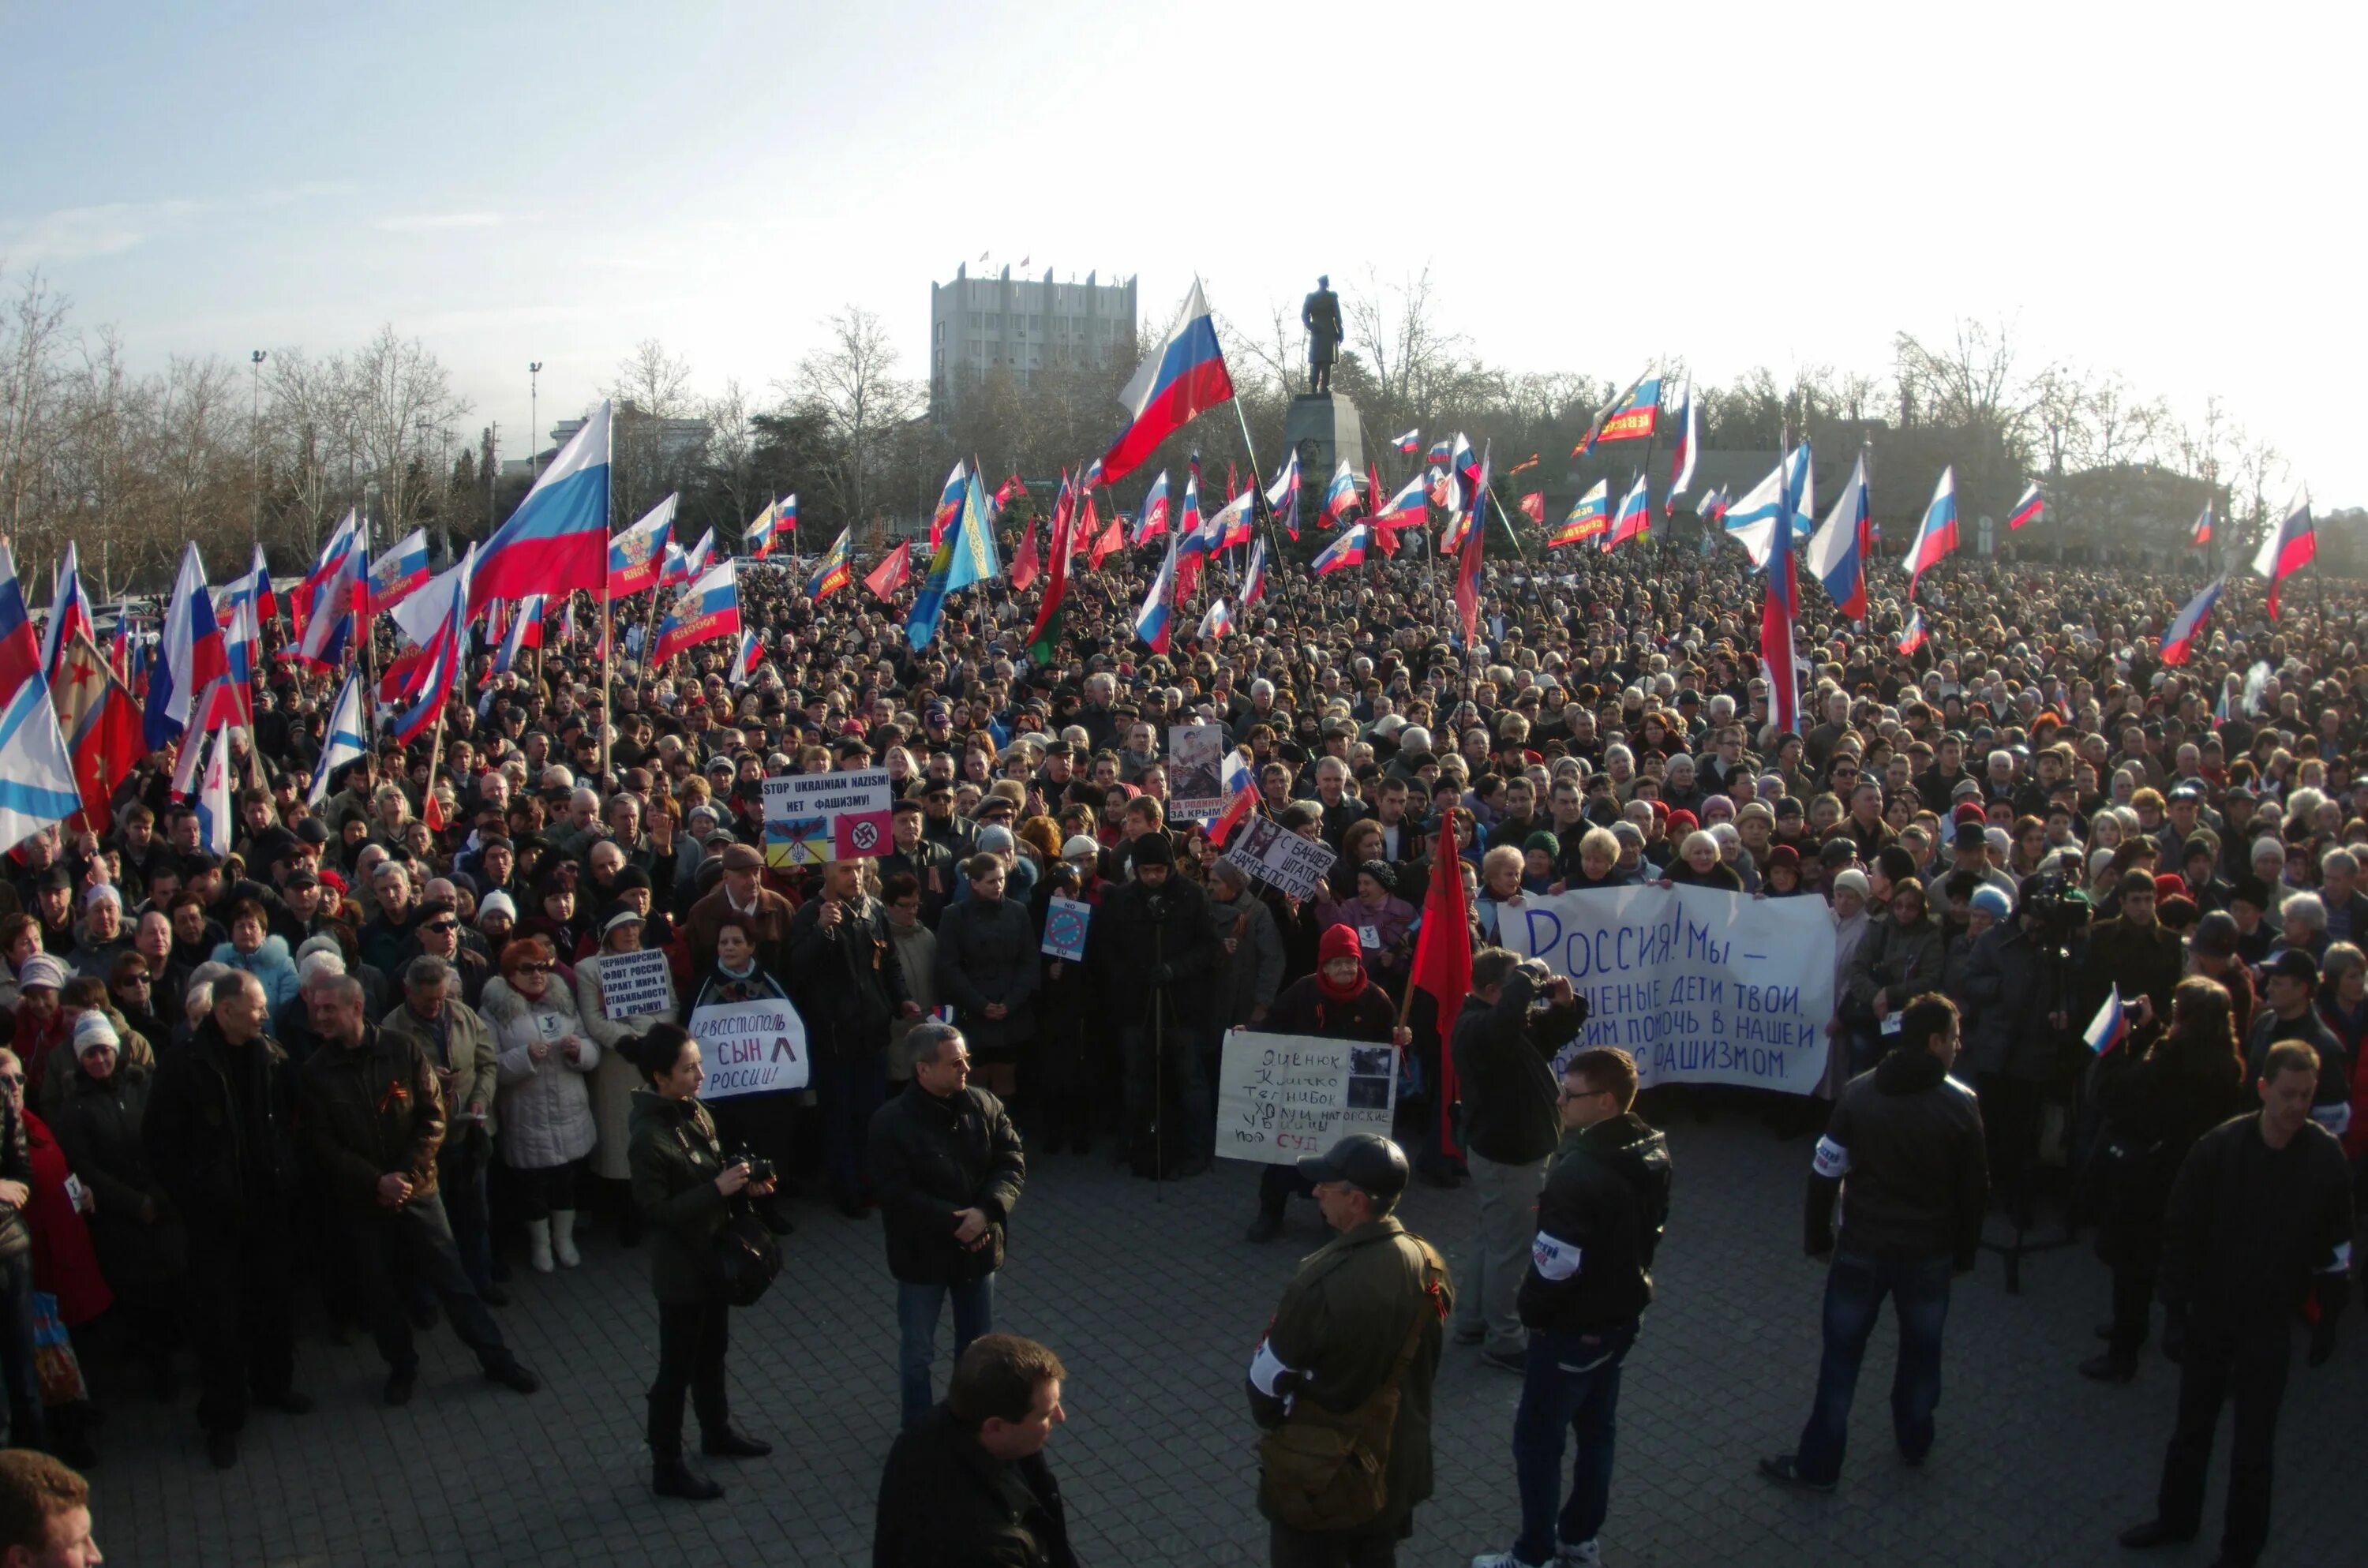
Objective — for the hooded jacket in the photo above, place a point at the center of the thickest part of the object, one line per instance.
(1504, 1057)
(269, 964)
(1904, 1151)
(1600, 1220)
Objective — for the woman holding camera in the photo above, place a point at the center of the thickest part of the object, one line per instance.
(683, 1187)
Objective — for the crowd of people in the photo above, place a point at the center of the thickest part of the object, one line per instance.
(365, 1062)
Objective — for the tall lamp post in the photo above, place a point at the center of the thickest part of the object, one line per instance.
(533, 421)
(254, 443)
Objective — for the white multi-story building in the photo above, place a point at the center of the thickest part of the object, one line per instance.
(1022, 325)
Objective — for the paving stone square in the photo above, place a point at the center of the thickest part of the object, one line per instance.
(1155, 1302)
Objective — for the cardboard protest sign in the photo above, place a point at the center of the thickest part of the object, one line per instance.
(1274, 855)
(1065, 920)
(814, 818)
(1280, 1096)
(635, 983)
(750, 1048)
(1196, 771)
(1701, 987)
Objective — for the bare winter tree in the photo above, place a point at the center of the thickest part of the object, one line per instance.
(851, 386)
(652, 451)
(33, 341)
(403, 401)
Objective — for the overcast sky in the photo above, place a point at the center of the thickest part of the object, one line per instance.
(2165, 191)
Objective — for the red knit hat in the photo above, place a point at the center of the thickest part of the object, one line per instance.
(1682, 821)
(1340, 942)
(1969, 811)
(2169, 886)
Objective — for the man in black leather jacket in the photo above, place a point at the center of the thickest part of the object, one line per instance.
(1904, 1153)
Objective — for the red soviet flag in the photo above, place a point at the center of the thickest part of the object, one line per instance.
(1442, 965)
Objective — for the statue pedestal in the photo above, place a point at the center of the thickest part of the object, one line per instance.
(1324, 430)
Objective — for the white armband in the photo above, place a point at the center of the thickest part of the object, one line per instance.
(1832, 1160)
(2335, 1118)
(1554, 1258)
(1266, 1370)
(2342, 1263)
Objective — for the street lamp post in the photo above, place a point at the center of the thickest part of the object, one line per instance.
(533, 422)
(255, 444)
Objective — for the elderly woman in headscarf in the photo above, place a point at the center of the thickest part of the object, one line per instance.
(1384, 922)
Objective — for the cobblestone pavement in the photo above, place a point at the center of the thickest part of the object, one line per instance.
(1155, 1302)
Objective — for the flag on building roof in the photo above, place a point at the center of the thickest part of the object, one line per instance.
(399, 571)
(69, 610)
(1151, 622)
(190, 655)
(2110, 1025)
(1348, 550)
(1838, 551)
(2028, 509)
(708, 608)
(2286, 549)
(2179, 637)
(891, 573)
(1937, 537)
(1215, 622)
(836, 570)
(1628, 418)
(557, 541)
(1151, 518)
(1184, 376)
(1409, 443)
(345, 739)
(1681, 461)
(636, 555)
(1588, 517)
(1633, 518)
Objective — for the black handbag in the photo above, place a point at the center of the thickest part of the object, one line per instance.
(743, 1258)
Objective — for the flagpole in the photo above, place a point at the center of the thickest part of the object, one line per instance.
(608, 672)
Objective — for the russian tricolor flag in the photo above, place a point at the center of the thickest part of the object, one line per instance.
(346, 538)
(1348, 550)
(636, 555)
(1634, 517)
(2202, 534)
(525, 632)
(2179, 637)
(69, 611)
(1216, 622)
(744, 661)
(1589, 516)
(1185, 375)
(1410, 508)
(1340, 495)
(1628, 418)
(1937, 536)
(1911, 636)
(1410, 442)
(1438, 455)
(1151, 621)
(707, 609)
(190, 655)
(399, 573)
(557, 541)
(836, 570)
(1282, 495)
(2028, 509)
(340, 604)
(2289, 547)
(1234, 525)
(1837, 550)
(2109, 1027)
(1254, 575)
(1682, 461)
(37, 776)
(442, 654)
(1151, 518)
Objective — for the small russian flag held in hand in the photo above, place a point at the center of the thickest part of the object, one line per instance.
(2109, 1027)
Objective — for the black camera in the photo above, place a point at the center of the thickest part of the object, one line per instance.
(760, 1170)
(2060, 911)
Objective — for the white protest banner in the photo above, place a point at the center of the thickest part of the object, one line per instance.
(1281, 859)
(1065, 920)
(814, 818)
(635, 983)
(749, 1048)
(1701, 987)
(1281, 1096)
(1196, 771)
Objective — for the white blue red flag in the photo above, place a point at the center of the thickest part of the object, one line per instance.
(1473, 547)
(1777, 664)
(1409, 443)
(1184, 376)
(1348, 550)
(2286, 549)
(1151, 622)
(1837, 550)
(1410, 508)
(708, 608)
(1682, 461)
(1912, 635)
(2203, 530)
(217, 822)
(757, 538)
(340, 601)
(1938, 535)
(637, 555)
(1254, 575)
(441, 656)
(1282, 495)
(1438, 455)
(836, 570)
(1589, 517)
(400, 572)
(2028, 509)
(2110, 1025)
(343, 741)
(750, 654)
(557, 541)
(1628, 418)
(344, 539)
(525, 632)
(1235, 524)
(1151, 518)
(2179, 637)
(190, 655)
(1634, 517)
(1215, 622)
(37, 776)
(1340, 495)
(69, 611)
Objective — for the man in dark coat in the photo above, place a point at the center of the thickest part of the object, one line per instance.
(970, 1485)
(372, 1115)
(1153, 943)
(2259, 1229)
(946, 1169)
(217, 1136)
(848, 984)
(2133, 951)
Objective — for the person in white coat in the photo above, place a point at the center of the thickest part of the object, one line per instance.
(615, 1080)
(546, 1099)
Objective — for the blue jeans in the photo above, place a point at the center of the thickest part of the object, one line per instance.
(917, 1307)
(1855, 1286)
(1571, 1385)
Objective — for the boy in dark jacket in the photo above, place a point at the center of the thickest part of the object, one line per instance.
(1600, 1219)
